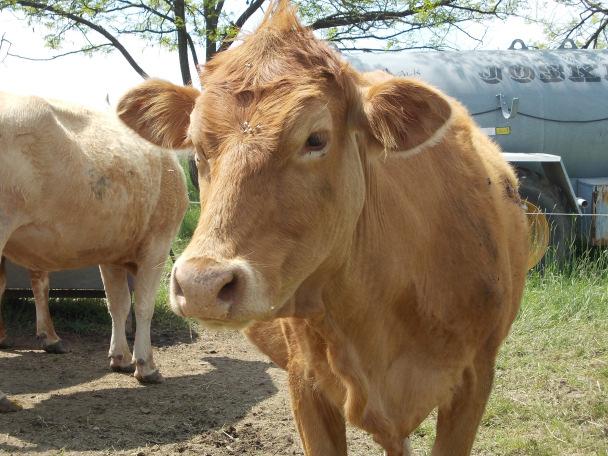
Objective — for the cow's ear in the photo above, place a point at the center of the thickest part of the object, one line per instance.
(402, 114)
(159, 111)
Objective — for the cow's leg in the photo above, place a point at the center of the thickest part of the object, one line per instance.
(3, 336)
(457, 422)
(5, 404)
(146, 285)
(45, 331)
(320, 424)
(119, 305)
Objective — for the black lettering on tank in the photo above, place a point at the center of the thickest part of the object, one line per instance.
(412, 73)
(521, 73)
(551, 73)
(491, 74)
(583, 73)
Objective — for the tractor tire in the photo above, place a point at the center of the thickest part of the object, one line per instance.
(550, 199)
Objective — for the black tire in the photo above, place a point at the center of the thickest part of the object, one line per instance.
(550, 199)
(193, 172)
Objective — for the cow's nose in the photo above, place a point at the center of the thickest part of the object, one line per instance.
(205, 288)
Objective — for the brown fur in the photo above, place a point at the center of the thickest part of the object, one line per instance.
(382, 273)
(143, 114)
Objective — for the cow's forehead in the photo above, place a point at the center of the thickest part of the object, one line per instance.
(264, 113)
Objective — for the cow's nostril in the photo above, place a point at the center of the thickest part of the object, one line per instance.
(229, 290)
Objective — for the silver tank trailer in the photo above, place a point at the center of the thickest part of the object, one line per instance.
(562, 94)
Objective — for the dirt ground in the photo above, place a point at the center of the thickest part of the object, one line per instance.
(220, 397)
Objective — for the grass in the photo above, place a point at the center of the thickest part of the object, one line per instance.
(550, 394)
(551, 391)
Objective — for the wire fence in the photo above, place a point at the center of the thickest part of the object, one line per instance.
(556, 214)
(572, 214)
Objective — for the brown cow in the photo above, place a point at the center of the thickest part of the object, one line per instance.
(78, 188)
(362, 228)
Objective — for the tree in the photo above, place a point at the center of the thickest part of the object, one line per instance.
(185, 25)
(587, 24)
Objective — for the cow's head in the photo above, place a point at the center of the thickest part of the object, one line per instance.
(285, 135)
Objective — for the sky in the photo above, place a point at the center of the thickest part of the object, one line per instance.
(92, 80)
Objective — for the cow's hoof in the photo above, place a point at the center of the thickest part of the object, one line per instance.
(128, 369)
(57, 348)
(7, 406)
(153, 378)
(119, 363)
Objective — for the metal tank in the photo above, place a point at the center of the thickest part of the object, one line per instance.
(553, 102)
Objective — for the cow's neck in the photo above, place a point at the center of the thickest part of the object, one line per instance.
(357, 307)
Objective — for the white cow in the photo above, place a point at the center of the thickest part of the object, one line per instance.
(77, 188)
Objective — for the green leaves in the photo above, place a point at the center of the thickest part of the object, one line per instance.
(209, 25)
(584, 21)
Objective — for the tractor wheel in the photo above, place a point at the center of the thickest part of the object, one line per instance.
(551, 201)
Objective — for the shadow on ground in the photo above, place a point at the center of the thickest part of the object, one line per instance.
(28, 370)
(116, 419)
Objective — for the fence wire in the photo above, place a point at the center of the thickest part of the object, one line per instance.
(572, 214)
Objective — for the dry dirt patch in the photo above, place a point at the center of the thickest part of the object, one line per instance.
(221, 397)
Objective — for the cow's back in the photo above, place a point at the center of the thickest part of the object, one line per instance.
(82, 183)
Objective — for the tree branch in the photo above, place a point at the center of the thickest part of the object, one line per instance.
(341, 19)
(150, 10)
(593, 38)
(80, 20)
(393, 49)
(53, 57)
(3, 40)
(225, 41)
(244, 17)
(192, 50)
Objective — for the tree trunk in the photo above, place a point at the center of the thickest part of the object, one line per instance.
(210, 47)
(182, 41)
(212, 11)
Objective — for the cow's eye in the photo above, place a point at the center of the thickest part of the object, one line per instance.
(316, 142)
(316, 145)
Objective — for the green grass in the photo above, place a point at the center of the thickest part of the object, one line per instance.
(191, 218)
(550, 395)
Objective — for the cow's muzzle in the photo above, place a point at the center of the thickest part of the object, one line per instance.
(216, 291)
